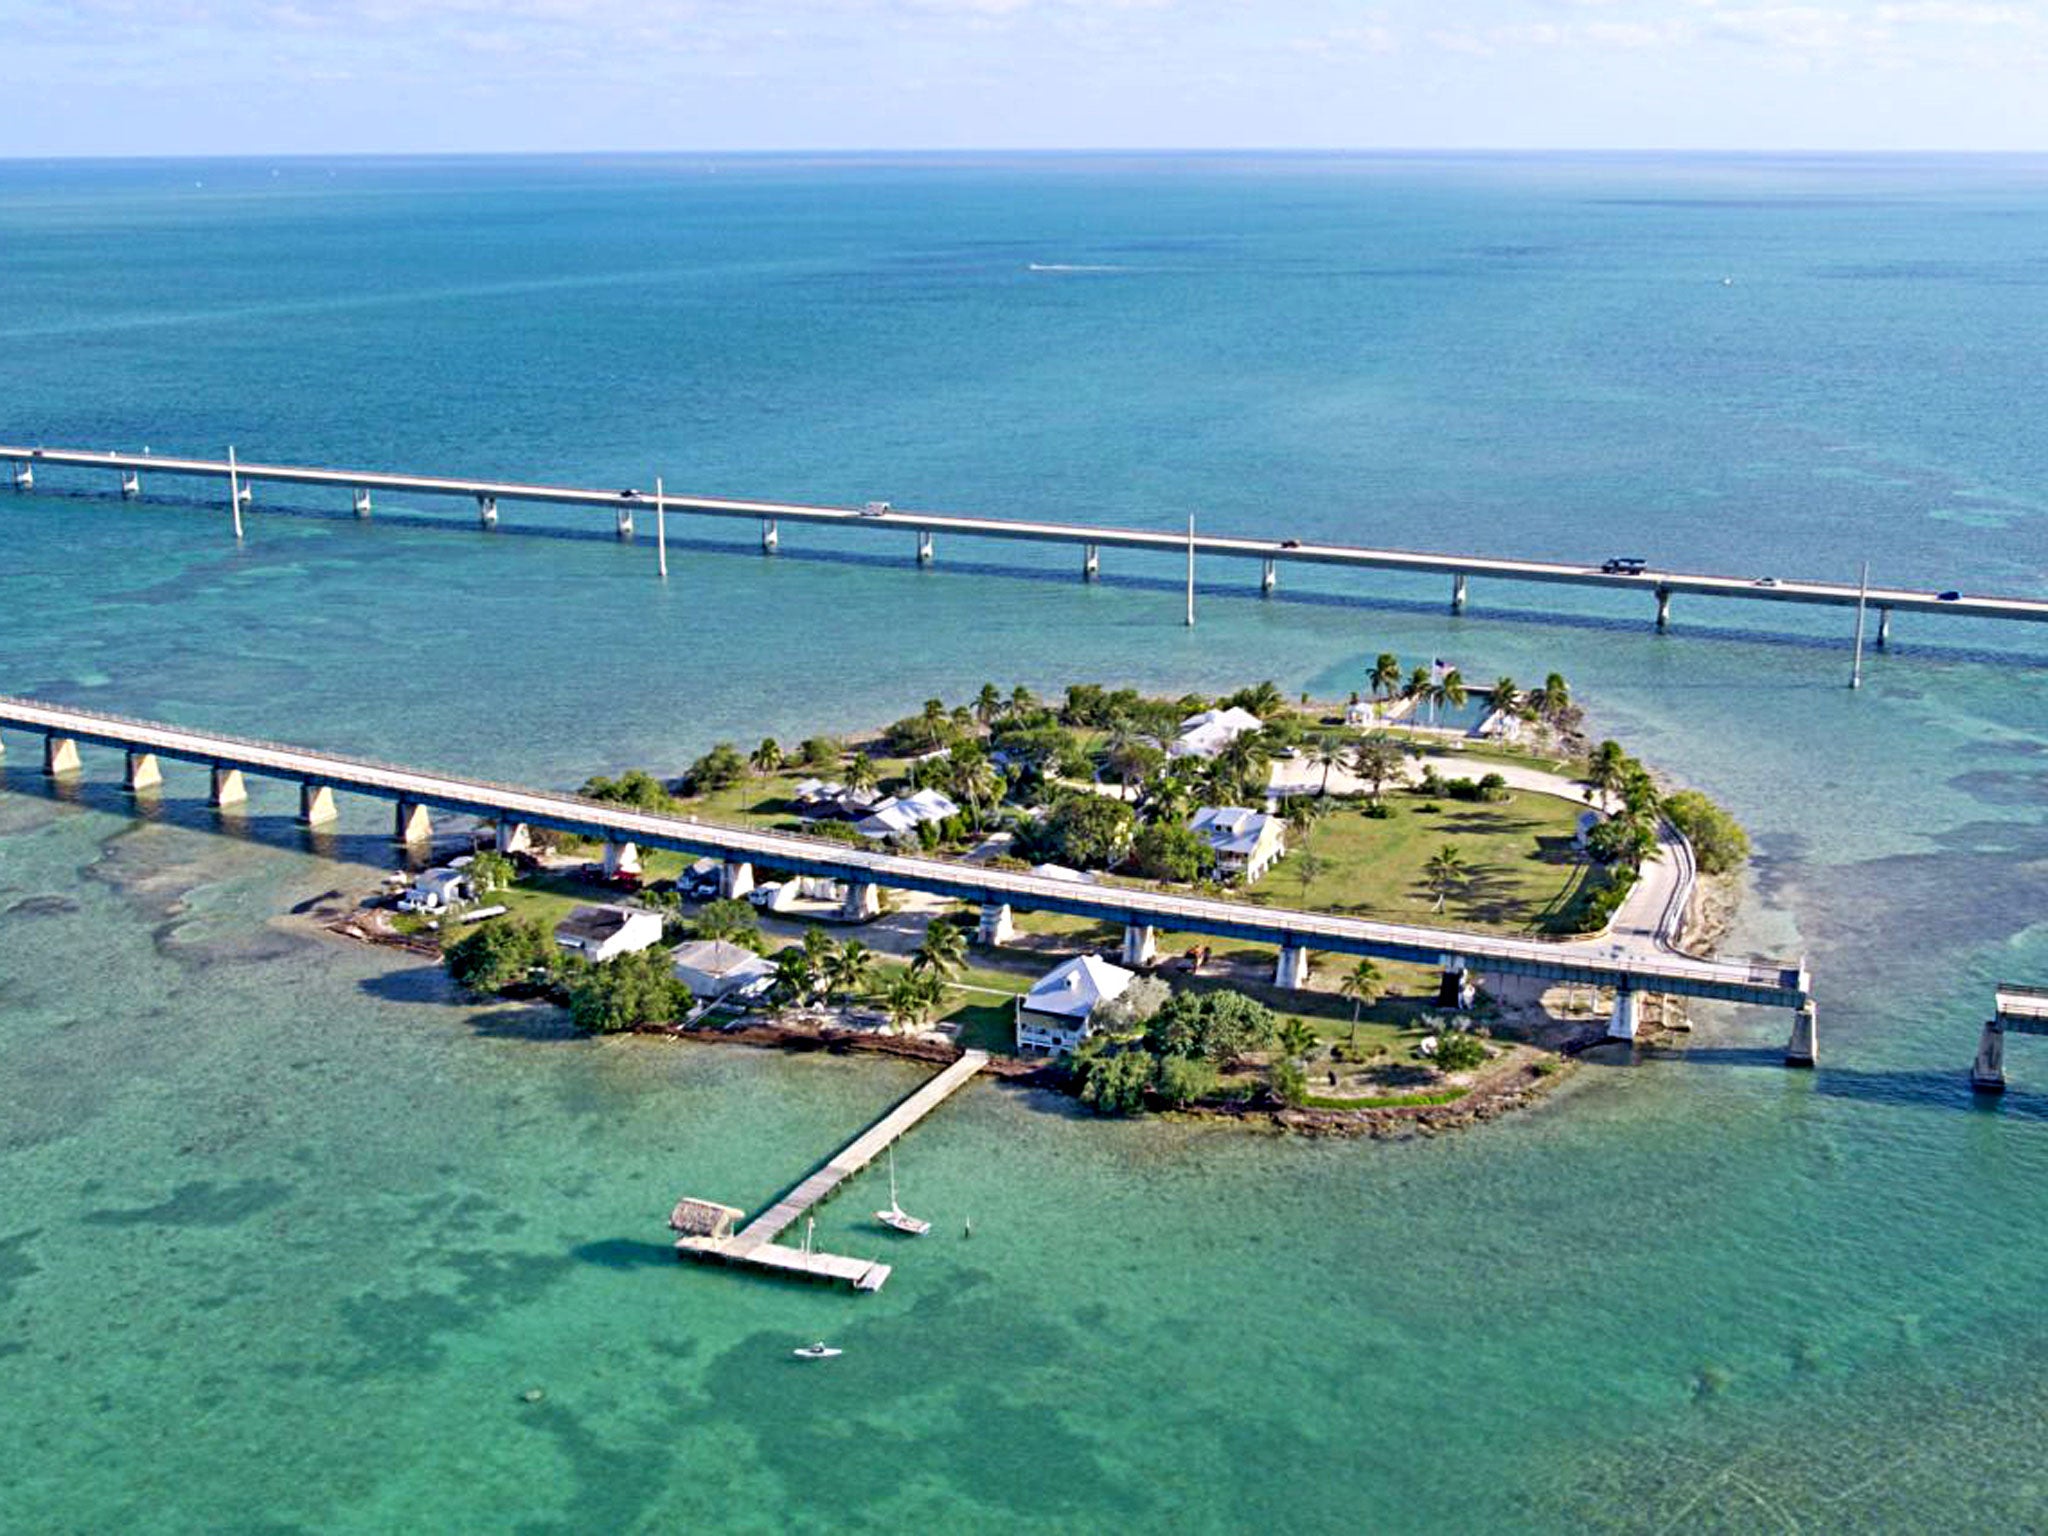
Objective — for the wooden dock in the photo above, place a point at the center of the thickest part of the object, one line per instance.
(754, 1244)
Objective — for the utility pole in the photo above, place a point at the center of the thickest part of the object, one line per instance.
(1862, 598)
(660, 529)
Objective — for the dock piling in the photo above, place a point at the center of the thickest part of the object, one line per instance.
(1803, 1049)
(1987, 1073)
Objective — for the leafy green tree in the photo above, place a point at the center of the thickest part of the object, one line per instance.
(730, 919)
(1112, 1080)
(628, 991)
(1169, 850)
(942, 950)
(1718, 841)
(635, 787)
(1141, 998)
(1184, 1080)
(1458, 1050)
(1446, 874)
(820, 753)
(496, 954)
(490, 872)
(720, 768)
(1219, 1025)
(1133, 760)
(1288, 1081)
(1085, 831)
(1261, 699)
(1376, 760)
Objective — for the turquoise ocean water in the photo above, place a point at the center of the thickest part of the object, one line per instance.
(288, 1233)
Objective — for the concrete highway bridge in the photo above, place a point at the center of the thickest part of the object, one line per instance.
(237, 478)
(1633, 969)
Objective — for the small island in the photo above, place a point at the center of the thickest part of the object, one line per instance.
(1419, 799)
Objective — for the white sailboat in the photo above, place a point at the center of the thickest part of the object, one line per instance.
(895, 1217)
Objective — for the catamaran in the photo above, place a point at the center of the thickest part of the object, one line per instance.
(896, 1218)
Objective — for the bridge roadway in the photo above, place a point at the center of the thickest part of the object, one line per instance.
(1659, 584)
(1636, 967)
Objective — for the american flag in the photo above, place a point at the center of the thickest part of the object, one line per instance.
(1439, 669)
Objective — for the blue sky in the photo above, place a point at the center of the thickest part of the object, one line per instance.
(285, 76)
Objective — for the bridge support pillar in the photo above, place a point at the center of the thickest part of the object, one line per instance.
(245, 492)
(143, 773)
(1454, 987)
(1269, 577)
(1091, 562)
(316, 805)
(1884, 628)
(131, 484)
(621, 859)
(1622, 1025)
(229, 787)
(1987, 1073)
(1141, 944)
(361, 500)
(411, 824)
(60, 756)
(487, 511)
(924, 546)
(1803, 1049)
(1663, 609)
(24, 475)
(514, 837)
(735, 878)
(771, 537)
(863, 902)
(1291, 970)
(1458, 593)
(625, 524)
(996, 927)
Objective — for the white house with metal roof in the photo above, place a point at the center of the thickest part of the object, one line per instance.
(1057, 1014)
(599, 934)
(1208, 733)
(1246, 842)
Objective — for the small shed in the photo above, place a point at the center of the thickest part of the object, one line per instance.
(703, 1218)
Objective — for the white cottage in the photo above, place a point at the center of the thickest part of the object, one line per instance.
(599, 934)
(716, 967)
(1246, 842)
(1057, 1014)
(1208, 733)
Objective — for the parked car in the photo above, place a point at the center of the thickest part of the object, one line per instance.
(764, 895)
(875, 509)
(1290, 543)
(1948, 597)
(628, 494)
(1624, 565)
(1765, 581)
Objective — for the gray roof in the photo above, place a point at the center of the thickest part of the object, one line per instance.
(593, 925)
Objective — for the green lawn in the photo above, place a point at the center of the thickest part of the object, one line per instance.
(1518, 852)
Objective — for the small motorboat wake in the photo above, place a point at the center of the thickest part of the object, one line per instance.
(818, 1351)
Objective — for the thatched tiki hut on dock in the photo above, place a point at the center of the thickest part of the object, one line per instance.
(703, 1218)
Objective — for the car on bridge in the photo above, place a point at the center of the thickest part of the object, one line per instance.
(875, 509)
(1624, 565)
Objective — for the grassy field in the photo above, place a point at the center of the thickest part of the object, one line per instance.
(1518, 852)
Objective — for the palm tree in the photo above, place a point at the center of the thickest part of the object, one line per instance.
(796, 978)
(910, 998)
(1376, 760)
(1326, 753)
(1132, 758)
(1447, 692)
(1022, 700)
(988, 704)
(860, 771)
(767, 757)
(1302, 814)
(1386, 675)
(1553, 698)
(934, 717)
(1445, 873)
(1245, 764)
(943, 949)
(1297, 1039)
(973, 778)
(1503, 694)
(850, 966)
(1420, 681)
(1362, 983)
(1264, 699)
(1606, 772)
